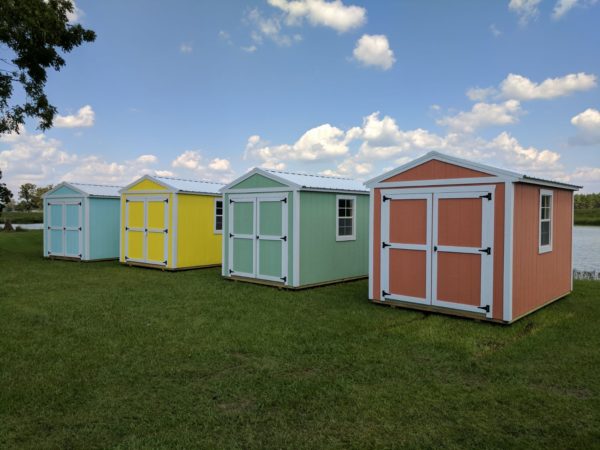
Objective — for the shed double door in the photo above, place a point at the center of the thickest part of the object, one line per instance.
(258, 241)
(147, 230)
(437, 248)
(64, 233)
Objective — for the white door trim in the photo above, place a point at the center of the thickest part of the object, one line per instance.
(284, 243)
(231, 222)
(385, 250)
(487, 260)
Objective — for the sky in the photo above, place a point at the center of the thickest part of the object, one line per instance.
(207, 90)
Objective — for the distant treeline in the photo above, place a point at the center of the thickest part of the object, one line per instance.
(587, 201)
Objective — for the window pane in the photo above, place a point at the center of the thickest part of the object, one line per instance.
(219, 223)
(545, 238)
(545, 213)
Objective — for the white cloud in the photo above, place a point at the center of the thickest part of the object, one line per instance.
(192, 160)
(84, 118)
(381, 142)
(225, 36)
(249, 49)
(525, 9)
(588, 177)
(220, 165)
(588, 125)
(521, 88)
(562, 7)
(147, 159)
(35, 158)
(482, 115)
(269, 28)
(324, 142)
(478, 94)
(333, 14)
(495, 30)
(186, 47)
(374, 50)
(76, 15)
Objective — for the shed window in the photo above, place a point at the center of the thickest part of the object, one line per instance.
(346, 211)
(218, 216)
(546, 199)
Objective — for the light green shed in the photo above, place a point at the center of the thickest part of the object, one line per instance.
(295, 230)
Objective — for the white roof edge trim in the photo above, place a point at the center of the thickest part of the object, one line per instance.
(64, 184)
(75, 186)
(150, 178)
(264, 173)
(433, 155)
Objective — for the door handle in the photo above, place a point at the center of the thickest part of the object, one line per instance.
(435, 248)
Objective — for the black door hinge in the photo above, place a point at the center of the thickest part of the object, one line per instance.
(230, 271)
(284, 200)
(231, 201)
(79, 228)
(488, 196)
(384, 245)
(166, 230)
(165, 262)
(435, 248)
(257, 236)
(284, 279)
(384, 294)
(486, 308)
(230, 235)
(385, 198)
(166, 200)
(284, 238)
(486, 250)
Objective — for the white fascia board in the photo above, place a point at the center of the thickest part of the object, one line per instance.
(262, 172)
(447, 159)
(126, 189)
(64, 184)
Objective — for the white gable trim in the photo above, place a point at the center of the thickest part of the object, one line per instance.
(447, 159)
(67, 185)
(168, 187)
(264, 173)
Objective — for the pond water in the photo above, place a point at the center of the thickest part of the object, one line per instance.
(586, 245)
(29, 226)
(586, 248)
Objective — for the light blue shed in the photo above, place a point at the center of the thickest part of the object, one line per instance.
(81, 221)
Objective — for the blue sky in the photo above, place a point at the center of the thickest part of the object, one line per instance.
(207, 90)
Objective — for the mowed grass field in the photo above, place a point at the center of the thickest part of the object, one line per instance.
(97, 355)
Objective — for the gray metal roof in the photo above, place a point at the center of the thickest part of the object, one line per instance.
(201, 187)
(98, 190)
(308, 181)
(536, 180)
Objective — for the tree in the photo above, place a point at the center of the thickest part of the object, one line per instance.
(5, 195)
(27, 195)
(38, 201)
(35, 32)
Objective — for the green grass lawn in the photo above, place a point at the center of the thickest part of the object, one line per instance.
(17, 217)
(97, 355)
(587, 216)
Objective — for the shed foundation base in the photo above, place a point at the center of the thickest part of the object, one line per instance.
(293, 288)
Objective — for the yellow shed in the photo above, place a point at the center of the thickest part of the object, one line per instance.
(172, 224)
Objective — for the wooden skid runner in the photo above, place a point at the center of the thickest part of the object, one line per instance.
(292, 288)
(167, 269)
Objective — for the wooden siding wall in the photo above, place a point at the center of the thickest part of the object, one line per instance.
(322, 258)
(104, 228)
(197, 242)
(435, 170)
(540, 278)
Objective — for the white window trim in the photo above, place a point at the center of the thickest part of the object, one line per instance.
(545, 248)
(352, 237)
(218, 199)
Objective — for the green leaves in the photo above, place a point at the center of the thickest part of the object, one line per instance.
(36, 32)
